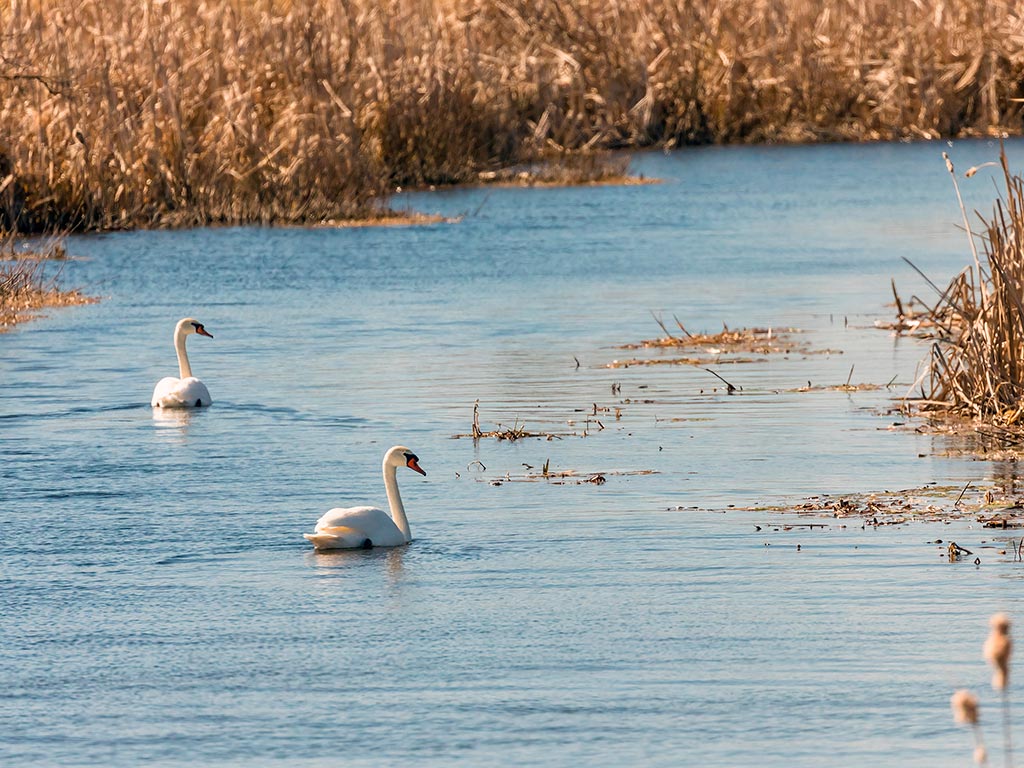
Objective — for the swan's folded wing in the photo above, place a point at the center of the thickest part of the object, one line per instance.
(181, 393)
(163, 388)
(351, 517)
(336, 537)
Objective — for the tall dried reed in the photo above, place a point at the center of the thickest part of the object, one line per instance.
(120, 113)
(977, 365)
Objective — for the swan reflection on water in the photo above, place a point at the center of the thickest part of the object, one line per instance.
(335, 563)
(172, 423)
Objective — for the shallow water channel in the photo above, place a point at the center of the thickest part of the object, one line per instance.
(160, 606)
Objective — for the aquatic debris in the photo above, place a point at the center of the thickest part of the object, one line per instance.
(847, 387)
(924, 323)
(694, 361)
(956, 551)
(762, 341)
(998, 506)
(563, 169)
(732, 346)
(512, 433)
(568, 476)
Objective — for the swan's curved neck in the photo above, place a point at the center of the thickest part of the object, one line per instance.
(395, 502)
(184, 369)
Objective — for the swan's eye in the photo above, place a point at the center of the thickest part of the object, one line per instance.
(413, 463)
(197, 326)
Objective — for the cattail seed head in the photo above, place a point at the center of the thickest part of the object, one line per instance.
(997, 650)
(965, 707)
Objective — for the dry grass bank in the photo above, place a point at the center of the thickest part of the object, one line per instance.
(117, 113)
(26, 285)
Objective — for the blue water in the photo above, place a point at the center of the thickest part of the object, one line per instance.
(159, 606)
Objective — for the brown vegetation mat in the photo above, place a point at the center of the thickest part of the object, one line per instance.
(24, 290)
(568, 476)
(760, 341)
(727, 346)
(998, 506)
(519, 431)
(390, 219)
(25, 286)
(567, 169)
(120, 114)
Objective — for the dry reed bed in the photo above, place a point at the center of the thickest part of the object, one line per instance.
(977, 361)
(25, 285)
(117, 114)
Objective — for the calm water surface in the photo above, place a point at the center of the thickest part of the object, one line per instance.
(160, 607)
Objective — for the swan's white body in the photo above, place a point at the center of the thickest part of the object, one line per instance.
(365, 527)
(186, 391)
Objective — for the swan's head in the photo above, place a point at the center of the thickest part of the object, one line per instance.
(400, 456)
(187, 325)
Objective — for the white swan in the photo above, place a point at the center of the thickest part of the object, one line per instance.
(188, 391)
(365, 527)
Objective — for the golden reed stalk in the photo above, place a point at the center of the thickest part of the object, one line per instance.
(124, 113)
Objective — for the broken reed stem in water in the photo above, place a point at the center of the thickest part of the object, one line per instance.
(730, 387)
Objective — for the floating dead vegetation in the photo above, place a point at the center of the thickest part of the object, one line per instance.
(965, 436)
(996, 506)
(863, 387)
(567, 476)
(26, 285)
(519, 431)
(916, 318)
(752, 340)
(847, 387)
(566, 169)
(697, 362)
(391, 219)
(730, 345)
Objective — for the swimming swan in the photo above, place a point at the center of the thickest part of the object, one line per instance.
(188, 391)
(365, 527)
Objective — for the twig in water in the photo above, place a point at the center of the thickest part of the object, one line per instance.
(659, 322)
(957, 502)
(899, 304)
(926, 278)
(681, 328)
(731, 388)
(849, 377)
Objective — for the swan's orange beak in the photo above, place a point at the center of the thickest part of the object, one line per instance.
(414, 465)
(203, 332)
